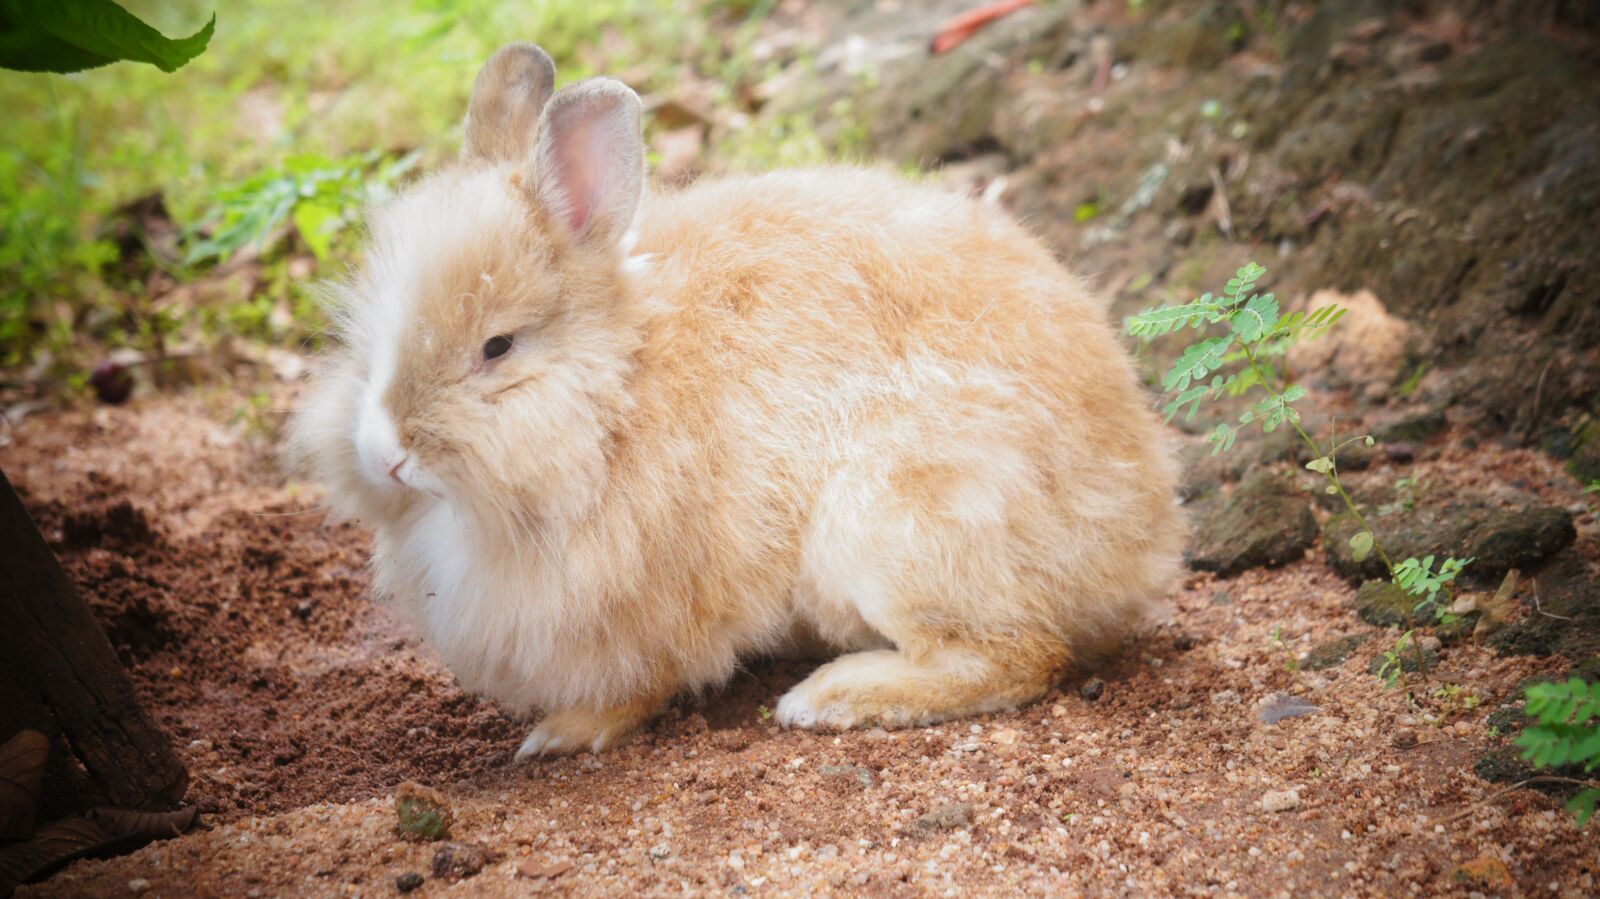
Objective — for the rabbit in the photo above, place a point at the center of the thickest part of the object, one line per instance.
(611, 445)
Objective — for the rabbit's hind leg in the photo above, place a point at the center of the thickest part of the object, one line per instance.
(895, 688)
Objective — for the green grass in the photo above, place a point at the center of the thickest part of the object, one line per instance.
(295, 114)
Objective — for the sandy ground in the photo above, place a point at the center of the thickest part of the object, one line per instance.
(299, 706)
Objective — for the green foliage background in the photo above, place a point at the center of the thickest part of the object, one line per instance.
(298, 112)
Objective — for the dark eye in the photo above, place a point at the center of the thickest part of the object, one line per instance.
(496, 346)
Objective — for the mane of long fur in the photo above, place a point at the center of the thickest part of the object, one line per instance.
(831, 402)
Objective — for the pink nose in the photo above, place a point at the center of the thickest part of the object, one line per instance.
(394, 471)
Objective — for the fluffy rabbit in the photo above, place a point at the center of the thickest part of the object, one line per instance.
(610, 449)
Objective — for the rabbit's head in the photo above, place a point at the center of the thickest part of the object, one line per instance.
(486, 340)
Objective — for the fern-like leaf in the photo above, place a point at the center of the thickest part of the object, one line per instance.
(1197, 361)
(1256, 318)
(1243, 281)
(1166, 319)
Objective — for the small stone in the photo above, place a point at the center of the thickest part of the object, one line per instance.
(455, 861)
(138, 885)
(949, 816)
(1006, 737)
(660, 851)
(1400, 452)
(534, 871)
(408, 881)
(423, 813)
(1280, 800)
(1404, 739)
(1092, 689)
(848, 772)
(1185, 642)
(1333, 653)
(1282, 705)
(1485, 871)
(1385, 604)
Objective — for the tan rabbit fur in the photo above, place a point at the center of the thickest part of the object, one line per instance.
(821, 404)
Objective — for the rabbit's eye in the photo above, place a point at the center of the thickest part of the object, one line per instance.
(496, 346)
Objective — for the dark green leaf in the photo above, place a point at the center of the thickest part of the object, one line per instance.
(72, 35)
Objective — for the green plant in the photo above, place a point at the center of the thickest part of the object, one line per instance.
(1238, 362)
(1566, 733)
(73, 35)
(320, 196)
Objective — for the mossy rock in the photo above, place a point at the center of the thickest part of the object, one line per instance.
(1333, 653)
(1496, 539)
(1263, 522)
(1382, 603)
(1567, 620)
(1411, 662)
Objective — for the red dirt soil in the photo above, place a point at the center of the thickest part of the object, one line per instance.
(299, 705)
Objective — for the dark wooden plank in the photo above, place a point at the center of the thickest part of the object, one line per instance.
(59, 675)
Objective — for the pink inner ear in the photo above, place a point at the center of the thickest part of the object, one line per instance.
(580, 161)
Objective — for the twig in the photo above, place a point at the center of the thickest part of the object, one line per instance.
(1542, 611)
(1224, 212)
(1543, 778)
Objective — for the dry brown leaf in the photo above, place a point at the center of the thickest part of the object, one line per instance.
(1495, 609)
(22, 761)
(53, 846)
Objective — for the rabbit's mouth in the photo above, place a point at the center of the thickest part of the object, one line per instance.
(408, 473)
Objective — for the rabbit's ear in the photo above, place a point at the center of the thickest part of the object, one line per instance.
(589, 165)
(507, 99)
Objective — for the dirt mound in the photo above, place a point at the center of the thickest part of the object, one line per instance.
(1444, 156)
(254, 643)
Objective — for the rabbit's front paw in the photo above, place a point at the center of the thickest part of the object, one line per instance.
(578, 729)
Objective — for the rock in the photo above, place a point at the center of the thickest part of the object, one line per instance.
(1262, 522)
(1502, 765)
(1385, 604)
(1469, 525)
(455, 861)
(1092, 689)
(1485, 871)
(1412, 660)
(408, 881)
(1279, 706)
(423, 813)
(535, 871)
(138, 885)
(854, 773)
(1280, 800)
(1567, 620)
(1332, 653)
(1412, 427)
(1404, 739)
(1400, 452)
(660, 851)
(949, 816)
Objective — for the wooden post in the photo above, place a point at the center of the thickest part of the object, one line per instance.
(59, 675)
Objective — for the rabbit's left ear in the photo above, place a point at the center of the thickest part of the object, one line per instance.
(589, 163)
(507, 100)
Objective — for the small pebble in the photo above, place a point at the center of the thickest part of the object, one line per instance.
(1280, 801)
(459, 860)
(1092, 689)
(138, 885)
(1404, 739)
(408, 881)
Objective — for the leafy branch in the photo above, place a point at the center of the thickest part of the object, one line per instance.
(73, 35)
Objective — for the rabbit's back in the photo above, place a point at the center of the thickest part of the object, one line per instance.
(831, 340)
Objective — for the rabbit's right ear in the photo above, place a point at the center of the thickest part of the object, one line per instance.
(589, 164)
(507, 100)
